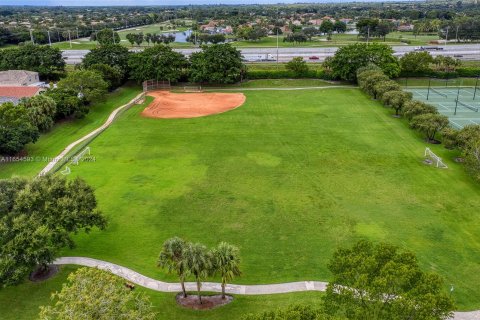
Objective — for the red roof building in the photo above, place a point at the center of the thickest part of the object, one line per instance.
(13, 94)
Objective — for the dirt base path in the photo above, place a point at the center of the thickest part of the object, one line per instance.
(169, 105)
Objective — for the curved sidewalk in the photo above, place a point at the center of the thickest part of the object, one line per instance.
(257, 289)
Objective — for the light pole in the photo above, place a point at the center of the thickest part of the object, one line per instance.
(476, 86)
(277, 47)
(70, 39)
(456, 104)
(446, 37)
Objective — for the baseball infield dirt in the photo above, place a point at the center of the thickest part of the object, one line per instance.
(190, 105)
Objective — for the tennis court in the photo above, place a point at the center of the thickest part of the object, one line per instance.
(460, 104)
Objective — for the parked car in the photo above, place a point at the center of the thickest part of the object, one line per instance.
(313, 58)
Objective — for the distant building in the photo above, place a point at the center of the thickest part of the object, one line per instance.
(19, 78)
(18, 84)
(315, 22)
(405, 27)
(14, 94)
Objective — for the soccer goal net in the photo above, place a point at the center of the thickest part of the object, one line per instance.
(436, 159)
(66, 171)
(79, 156)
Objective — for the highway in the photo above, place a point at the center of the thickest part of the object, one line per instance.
(461, 51)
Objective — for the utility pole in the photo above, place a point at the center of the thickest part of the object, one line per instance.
(277, 46)
(456, 34)
(70, 39)
(49, 39)
(77, 32)
(446, 37)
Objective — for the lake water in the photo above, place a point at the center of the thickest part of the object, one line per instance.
(180, 36)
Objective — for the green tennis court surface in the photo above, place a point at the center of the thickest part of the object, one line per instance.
(460, 104)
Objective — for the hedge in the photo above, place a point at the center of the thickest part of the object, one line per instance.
(469, 72)
(286, 74)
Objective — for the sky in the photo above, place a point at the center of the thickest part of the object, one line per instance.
(146, 2)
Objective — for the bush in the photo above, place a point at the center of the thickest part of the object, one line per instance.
(468, 72)
(298, 66)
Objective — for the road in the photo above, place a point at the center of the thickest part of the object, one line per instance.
(463, 52)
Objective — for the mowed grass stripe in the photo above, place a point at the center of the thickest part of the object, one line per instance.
(287, 177)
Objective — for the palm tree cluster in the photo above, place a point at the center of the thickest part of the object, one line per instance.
(186, 259)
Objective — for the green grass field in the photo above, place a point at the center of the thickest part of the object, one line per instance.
(62, 134)
(287, 177)
(394, 38)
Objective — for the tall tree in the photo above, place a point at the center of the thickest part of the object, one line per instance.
(106, 37)
(220, 63)
(396, 99)
(429, 124)
(41, 110)
(16, 130)
(348, 59)
(172, 258)
(198, 260)
(47, 61)
(416, 62)
(38, 219)
(94, 294)
(226, 261)
(67, 103)
(326, 27)
(414, 108)
(159, 62)
(339, 26)
(87, 84)
(112, 75)
(112, 55)
(383, 282)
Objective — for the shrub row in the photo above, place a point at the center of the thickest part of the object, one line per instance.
(286, 74)
(469, 72)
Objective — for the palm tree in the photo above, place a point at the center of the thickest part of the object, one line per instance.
(198, 260)
(172, 258)
(226, 259)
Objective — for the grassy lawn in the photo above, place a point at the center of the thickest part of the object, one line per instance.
(22, 302)
(287, 177)
(53, 142)
(394, 38)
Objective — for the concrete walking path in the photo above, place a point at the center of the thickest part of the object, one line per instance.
(257, 289)
(95, 132)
